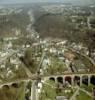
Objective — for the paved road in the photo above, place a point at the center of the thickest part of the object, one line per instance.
(31, 15)
(88, 23)
(12, 52)
(31, 30)
(31, 77)
(33, 90)
(75, 94)
(28, 72)
(40, 65)
(68, 67)
(81, 54)
(34, 84)
(77, 91)
(86, 92)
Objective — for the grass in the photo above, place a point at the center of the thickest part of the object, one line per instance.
(66, 94)
(85, 61)
(49, 92)
(88, 88)
(83, 96)
(56, 66)
(21, 92)
(12, 93)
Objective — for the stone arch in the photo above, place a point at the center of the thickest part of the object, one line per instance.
(15, 85)
(85, 79)
(60, 80)
(92, 79)
(6, 87)
(52, 79)
(68, 79)
(77, 80)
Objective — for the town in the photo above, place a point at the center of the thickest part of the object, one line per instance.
(47, 52)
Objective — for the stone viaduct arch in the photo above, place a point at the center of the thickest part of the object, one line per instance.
(74, 79)
(92, 79)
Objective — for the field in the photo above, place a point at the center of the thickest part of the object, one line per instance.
(14, 92)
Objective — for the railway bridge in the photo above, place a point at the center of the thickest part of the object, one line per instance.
(77, 78)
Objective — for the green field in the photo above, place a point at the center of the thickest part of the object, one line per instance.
(83, 96)
(50, 91)
(14, 92)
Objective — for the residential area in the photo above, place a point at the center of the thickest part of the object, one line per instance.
(47, 52)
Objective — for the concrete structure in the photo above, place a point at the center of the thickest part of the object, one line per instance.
(72, 78)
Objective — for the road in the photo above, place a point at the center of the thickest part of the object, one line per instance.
(31, 15)
(34, 78)
(75, 94)
(88, 23)
(33, 90)
(40, 65)
(81, 54)
(77, 91)
(30, 29)
(28, 72)
(68, 66)
(11, 53)
(34, 93)
(86, 92)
